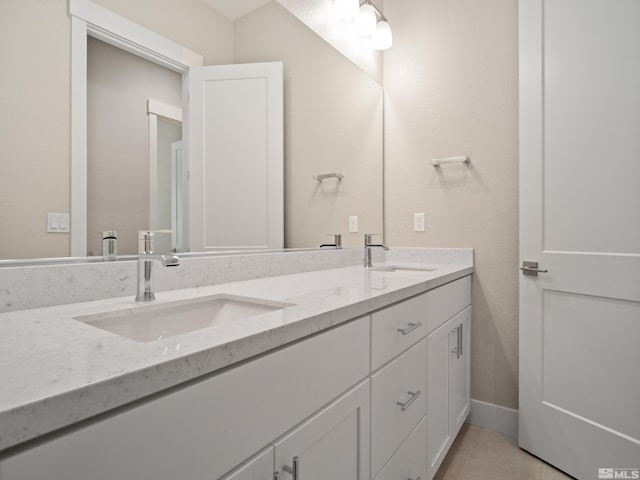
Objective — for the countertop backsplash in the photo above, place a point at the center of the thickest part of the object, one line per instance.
(36, 286)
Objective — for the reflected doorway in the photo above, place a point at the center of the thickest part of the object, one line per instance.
(132, 104)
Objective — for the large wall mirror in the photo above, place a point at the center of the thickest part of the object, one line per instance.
(332, 124)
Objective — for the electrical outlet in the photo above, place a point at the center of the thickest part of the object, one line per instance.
(418, 222)
(353, 224)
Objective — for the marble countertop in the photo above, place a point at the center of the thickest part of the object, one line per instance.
(56, 371)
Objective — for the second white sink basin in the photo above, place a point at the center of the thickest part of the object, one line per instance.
(147, 323)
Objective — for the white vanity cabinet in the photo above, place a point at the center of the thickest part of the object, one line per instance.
(398, 402)
(447, 386)
(425, 342)
(332, 444)
(380, 397)
(258, 468)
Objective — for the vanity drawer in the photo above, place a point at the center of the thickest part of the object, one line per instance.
(445, 301)
(410, 461)
(391, 422)
(396, 328)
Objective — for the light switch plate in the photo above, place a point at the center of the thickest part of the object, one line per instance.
(58, 223)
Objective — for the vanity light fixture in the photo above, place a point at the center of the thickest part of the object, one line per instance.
(346, 9)
(367, 21)
(382, 37)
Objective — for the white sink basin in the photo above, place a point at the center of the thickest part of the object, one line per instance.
(147, 323)
(404, 269)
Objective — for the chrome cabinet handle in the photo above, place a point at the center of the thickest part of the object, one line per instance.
(418, 478)
(461, 348)
(408, 403)
(410, 328)
(456, 350)
(295, 470)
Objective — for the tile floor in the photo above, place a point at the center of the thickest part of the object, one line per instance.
(481, 454)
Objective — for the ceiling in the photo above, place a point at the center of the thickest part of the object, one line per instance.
(234, 9)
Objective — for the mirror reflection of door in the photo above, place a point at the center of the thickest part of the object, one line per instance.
(121, 178)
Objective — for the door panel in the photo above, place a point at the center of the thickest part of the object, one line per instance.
(580, 219)
(236, 159)
(581, 359)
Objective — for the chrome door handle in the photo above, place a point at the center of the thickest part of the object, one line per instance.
(407, 404)
(410, 328)
(531, 268)
(295, 470)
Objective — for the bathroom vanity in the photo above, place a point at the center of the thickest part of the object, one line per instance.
(348, 374)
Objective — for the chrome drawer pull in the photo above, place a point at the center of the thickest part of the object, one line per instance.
(410, 328)
(408, 403)
(415, 479)
(295, 470)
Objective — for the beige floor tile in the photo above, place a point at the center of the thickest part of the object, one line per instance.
(551, 473)
(495, 461)
(454, 463)
(458, 455)
(468, 435)
(481, 454)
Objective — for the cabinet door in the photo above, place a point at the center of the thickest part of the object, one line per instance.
(448, 401)
(439, 346)
(409, 462)
(258, 468)
(332, 444)
(459, 400)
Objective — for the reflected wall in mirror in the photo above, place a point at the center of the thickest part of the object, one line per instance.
(333, 123)
(128, 178)
(330, 125)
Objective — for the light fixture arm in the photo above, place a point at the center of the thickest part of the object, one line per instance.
(378, 12)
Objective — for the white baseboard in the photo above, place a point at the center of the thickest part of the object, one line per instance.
(494, 417)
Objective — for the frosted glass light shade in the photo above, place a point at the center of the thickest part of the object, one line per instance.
(365, 22)
(382, 37)
(346, 9)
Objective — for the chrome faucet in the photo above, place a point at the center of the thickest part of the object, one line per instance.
(368, 246)
(146, 257)
(337, 239)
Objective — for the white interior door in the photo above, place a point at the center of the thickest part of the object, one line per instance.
(580, 219)
(235, 148)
